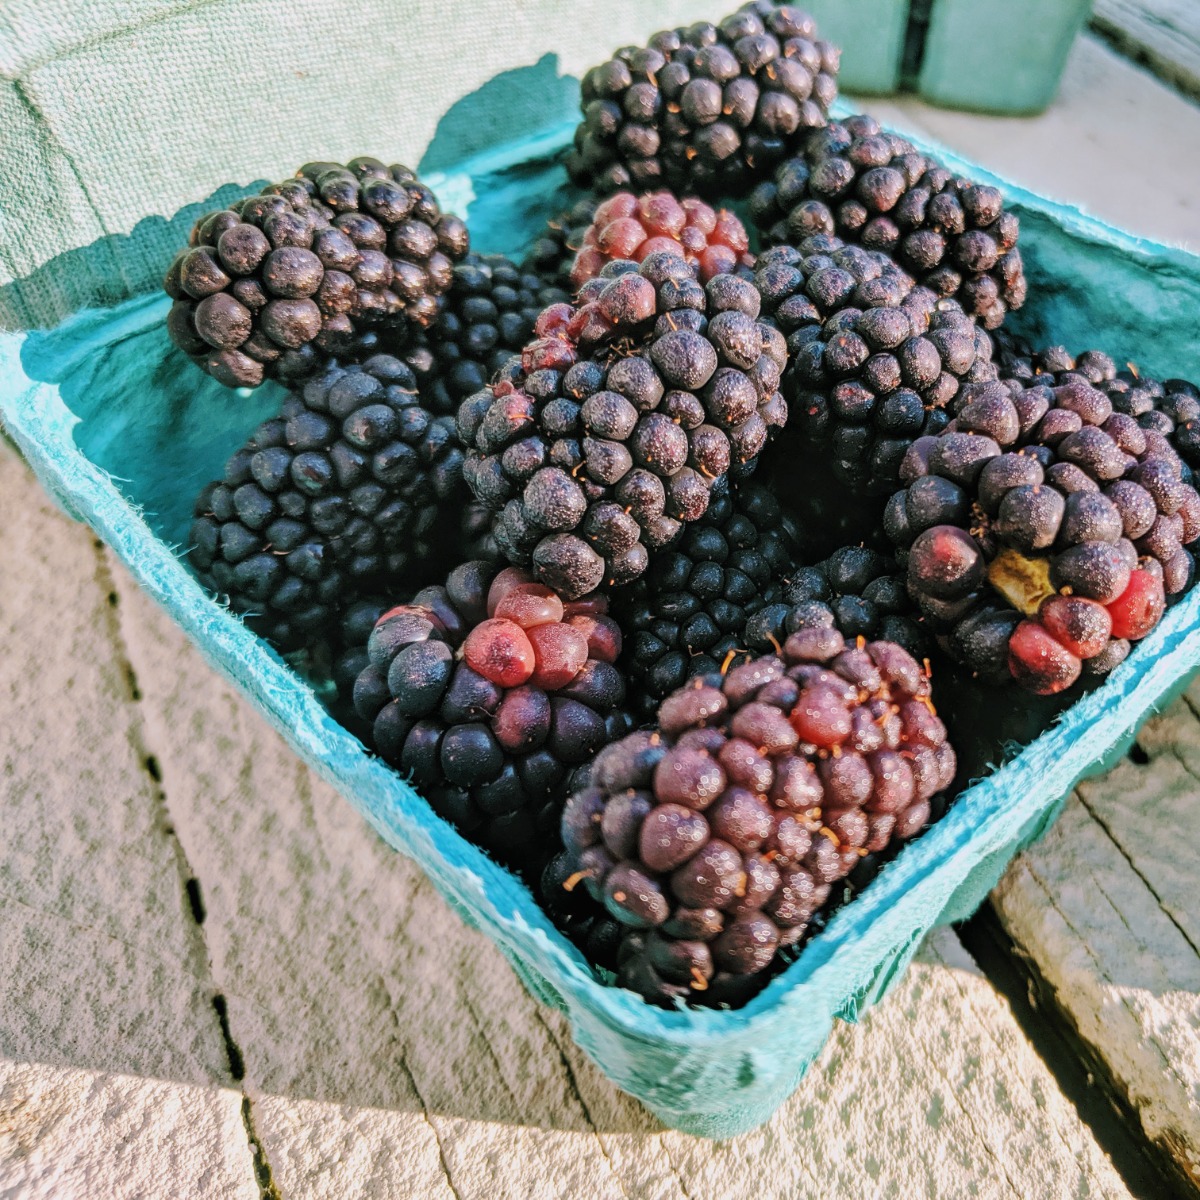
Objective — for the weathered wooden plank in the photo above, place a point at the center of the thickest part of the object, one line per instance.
(1163, 34)
(1115, 142)
(1107, 911)
(113, 1075)
(390, 1050)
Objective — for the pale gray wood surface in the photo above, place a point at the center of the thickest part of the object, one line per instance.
(1164, 34)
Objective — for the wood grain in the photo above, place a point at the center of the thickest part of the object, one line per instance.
(1107, 909)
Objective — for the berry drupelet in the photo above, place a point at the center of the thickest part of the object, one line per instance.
(488, 316)
(631, 227)
(333, 499)
(715, 838)
(1042, 531)
(607, 435)
(687, 614)
(856, 590)
(278, 283)
(874, 358)
(708, 109)
(874, 189)
(488, 692)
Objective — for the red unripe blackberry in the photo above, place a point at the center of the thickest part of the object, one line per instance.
(1039, 661)
(716, 838)
(607, 436)
(871, 188)
(278, 283)
(491, 717)
(500, 651)
(631, 227)
(707, 109)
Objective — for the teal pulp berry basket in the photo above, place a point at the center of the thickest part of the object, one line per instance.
(123, 431)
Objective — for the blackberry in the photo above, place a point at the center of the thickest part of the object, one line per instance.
(488, 692)
(687, 614)
(331, 500)
(707, 109)
(278, 283)
(552, 253)
(874, 189)
(577, 914)
(631, 227)
(1169, 407)
(874, 358)
(1042, 531)
(856, 590)
(716, 838)
(607, 435)
(488, 316)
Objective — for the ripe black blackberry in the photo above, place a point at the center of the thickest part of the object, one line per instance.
(856, 590)
(552, 253)
(707, 109)
(1042, 532)
(331, 500)
(278, 283)
(488, 692)
(874, 189)
(610, 431)
(487, 317)
(716, 838)
(874, 358)
(1169, 407)
(687, 614)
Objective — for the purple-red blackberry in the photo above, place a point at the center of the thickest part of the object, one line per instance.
(608, 434)
(488, 692)
(278, 283)
(1042, 531)
(707, 109)
(715, 838)
(687, 614)
(488, 316)
(874, 189)
(874, 359)
(333, 499)
(857, 591)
